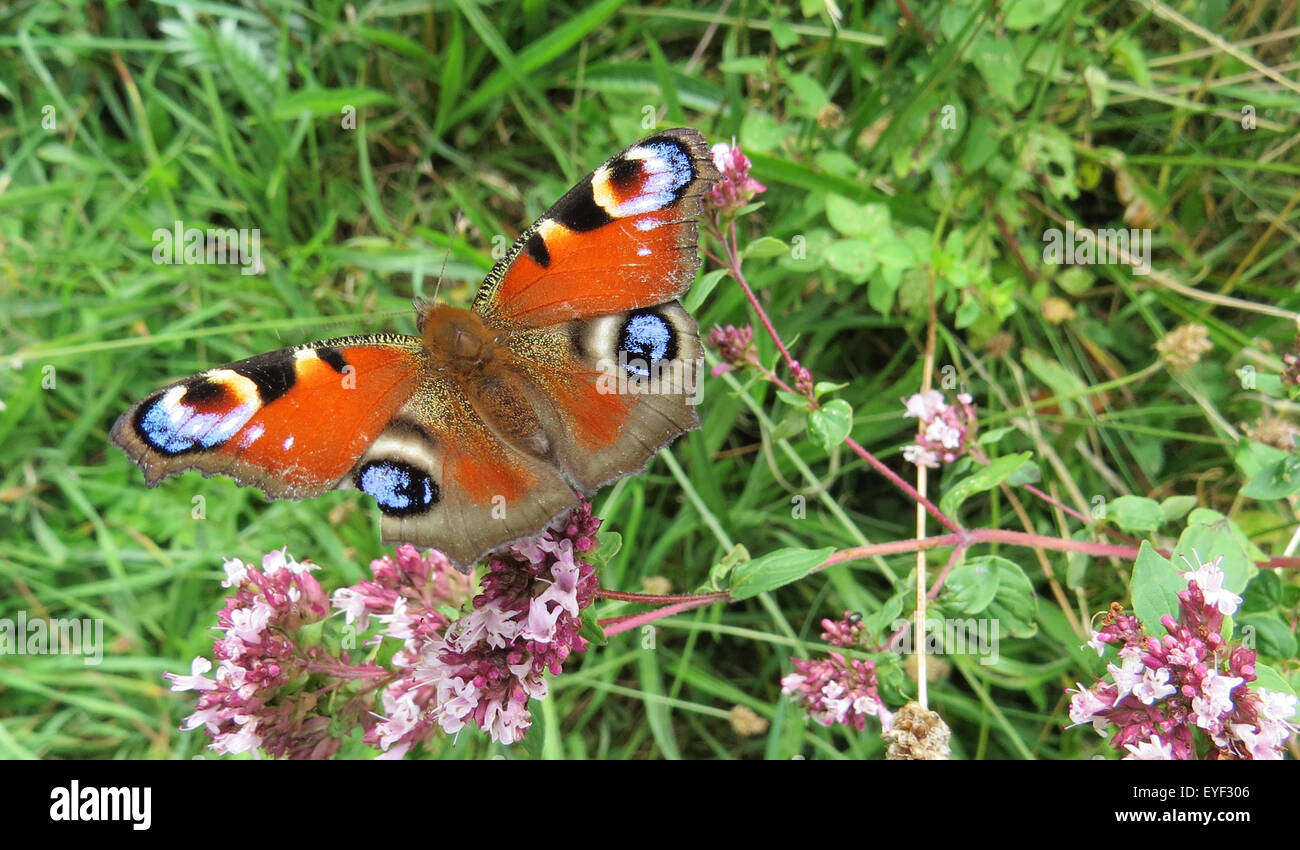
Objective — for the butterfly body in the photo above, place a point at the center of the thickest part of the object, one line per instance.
(573, 367)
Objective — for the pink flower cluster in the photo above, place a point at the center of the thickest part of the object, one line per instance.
(736, 188)
(407, 595)
(241, 706)
(283, 683)
(483, 668)
(846, 631)
(945, 431)
(1165, 689)
(735, 347)
(835, 689)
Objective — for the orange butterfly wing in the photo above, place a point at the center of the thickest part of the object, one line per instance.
(625, 237)
(597, 276)
(291, 422)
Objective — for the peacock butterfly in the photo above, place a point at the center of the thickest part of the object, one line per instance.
(574, 365)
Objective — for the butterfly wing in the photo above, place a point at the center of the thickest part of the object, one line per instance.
(291, 423)
(624, 238)
(362, 413)
(443, 478)
(586, 302)
(613, 390)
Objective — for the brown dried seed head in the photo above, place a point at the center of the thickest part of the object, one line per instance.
(918, 734)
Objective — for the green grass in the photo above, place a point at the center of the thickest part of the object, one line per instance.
(232, 115)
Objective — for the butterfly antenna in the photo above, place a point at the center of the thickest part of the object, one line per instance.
(455, 228)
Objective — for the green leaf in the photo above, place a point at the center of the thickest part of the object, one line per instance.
(971, 587)
(1060, 380)
(1048, 152)
(894, 253)
(853, 219)
(830, 423)
(760, 131)
(1219, 522)
(822, 387)
(1023, 14)
(784, 35)
(1252, 457)
(1176, 507)
(747, 65)
(328, 102)
(880, 294)
(591, 629)
(792, 399)
(1135, 513)
(1268, 633)
(766, 246)
(1015, 607)
(968, 312)
(534, 742)
(720, 573)
(702, 288)
(991, 436)
(1267, 678)
(1030, 473)
(808, 92)
(1276, 481)
(775, 569)
(1208, 541)
(310, 635)
(1128, 50)
(855, 258)
(1077, 562)
(998, 64)
(1269, 385)
(981, 143)
(1076, 280)
(882, 621)
(607, 545)
(985, 478)
(1154, 588)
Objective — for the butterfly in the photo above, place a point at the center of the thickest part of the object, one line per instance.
(574, 365)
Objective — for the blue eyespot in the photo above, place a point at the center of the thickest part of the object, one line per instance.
(671, 161)
(667, 171)
(176, 422)
(646, 339)
(400, 488)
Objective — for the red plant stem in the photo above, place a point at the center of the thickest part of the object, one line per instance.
(1052, 500)
(345, 671)
(902, 484)
(957, 553)
(733, 256)
(654, 597)
(614, 625)
(962, 540)
(770, 375)
(969, 537)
